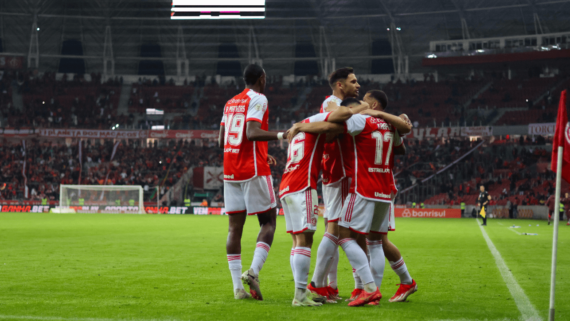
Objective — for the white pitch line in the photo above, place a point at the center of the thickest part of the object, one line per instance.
(528, 312)
(24, 317)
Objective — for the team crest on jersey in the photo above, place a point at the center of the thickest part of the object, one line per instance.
(260, 107)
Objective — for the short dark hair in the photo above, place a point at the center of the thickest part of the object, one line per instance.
(350, 101)
(380, 96)
(252, 73)
(339, 74)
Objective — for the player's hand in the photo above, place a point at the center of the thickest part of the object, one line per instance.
(363, 103)
(331, 106)
(271, 160)
(405, 118)
(293, 131)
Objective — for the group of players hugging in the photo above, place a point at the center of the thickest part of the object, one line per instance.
(353, 143)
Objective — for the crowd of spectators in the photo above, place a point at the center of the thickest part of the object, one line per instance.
(514, 170)
(83, 101)
(49, 164)
(511, 170)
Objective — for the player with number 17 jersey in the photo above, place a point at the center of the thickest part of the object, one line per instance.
(374, 140)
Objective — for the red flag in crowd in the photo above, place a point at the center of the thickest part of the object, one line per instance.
(562, 138)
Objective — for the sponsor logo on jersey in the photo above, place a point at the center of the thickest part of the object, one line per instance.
(378, 170)
(326, 156)
(232, 150)
(229, 176)
(382, 195)
(285, 190)
(325, 180)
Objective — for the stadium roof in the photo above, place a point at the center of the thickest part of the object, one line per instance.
(350, 28)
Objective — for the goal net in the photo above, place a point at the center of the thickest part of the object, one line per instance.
(101, 199)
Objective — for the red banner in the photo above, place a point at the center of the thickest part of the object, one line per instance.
(428, 212)
(9, 62)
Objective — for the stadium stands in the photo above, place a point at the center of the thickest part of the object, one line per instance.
(73, 102)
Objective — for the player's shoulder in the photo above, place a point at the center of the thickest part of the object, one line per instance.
(317, 117)
(253, 95)
(332, 98)
(379, 123)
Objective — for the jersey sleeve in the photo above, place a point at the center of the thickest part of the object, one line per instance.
(355, 124)
(397, 139)
(257, 108)
(223, 123)
(318, 117)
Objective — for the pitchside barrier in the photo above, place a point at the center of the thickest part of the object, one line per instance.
(536, 212)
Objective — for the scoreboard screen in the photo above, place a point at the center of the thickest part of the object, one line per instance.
(217, 9)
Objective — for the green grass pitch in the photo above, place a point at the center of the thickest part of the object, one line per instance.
(174, 267)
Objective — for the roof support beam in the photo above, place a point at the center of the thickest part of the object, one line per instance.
(253, 45)
(461, 12)
(34, 49)
(398, 56)
(537, 24)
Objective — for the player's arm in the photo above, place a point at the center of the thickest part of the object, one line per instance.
(401, 125)
(400, 150)
(255, 114)
(321, 127)
(399, 147)
(342, 113)
(255, 133)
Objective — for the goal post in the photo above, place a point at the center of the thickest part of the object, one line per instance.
(126, 199)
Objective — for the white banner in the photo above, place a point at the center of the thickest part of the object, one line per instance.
(213, 177)
(92, 133)
(541, 129)
(477, 131)
(439, 132)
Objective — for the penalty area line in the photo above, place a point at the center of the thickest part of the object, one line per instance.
(527, 310)
(45, 318)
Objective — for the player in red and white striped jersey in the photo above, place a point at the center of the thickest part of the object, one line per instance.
(336, 183)
(299, 196)
(378, 245)
(248, 186)
(377, 186)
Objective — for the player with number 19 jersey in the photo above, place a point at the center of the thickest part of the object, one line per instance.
(247, 177)
(244, 159)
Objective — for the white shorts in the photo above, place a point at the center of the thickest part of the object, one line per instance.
(333, 196)
(301, 211)
(365, 216)
(254, 196)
